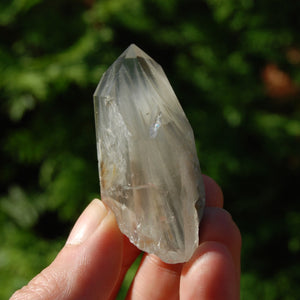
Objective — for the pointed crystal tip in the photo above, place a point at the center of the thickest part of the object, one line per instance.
(133, 51)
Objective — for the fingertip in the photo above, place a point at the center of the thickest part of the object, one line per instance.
(87, 223)
(217, 225)
(210, 274)
(213, 192)
(153, 272)
(96, 262)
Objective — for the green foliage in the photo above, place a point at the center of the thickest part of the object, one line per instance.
(215, 53)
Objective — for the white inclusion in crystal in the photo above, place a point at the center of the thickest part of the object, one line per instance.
(107, 100)
(155, 126)
(138, 187)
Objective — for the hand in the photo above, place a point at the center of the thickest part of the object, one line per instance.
(96, 256)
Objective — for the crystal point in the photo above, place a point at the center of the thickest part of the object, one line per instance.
(134, 51)
(149, 171)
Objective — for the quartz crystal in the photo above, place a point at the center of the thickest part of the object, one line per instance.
(149, 171)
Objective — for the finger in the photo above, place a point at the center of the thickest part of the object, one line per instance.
(166, 277)
(217, 225)
(210, 274)
(130, 253)
(89, 264)
(214, 270)
(155, 280)
(213, 193)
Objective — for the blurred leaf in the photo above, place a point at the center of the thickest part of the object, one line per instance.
(19, 207)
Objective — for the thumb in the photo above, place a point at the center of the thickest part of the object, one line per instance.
(89, 264)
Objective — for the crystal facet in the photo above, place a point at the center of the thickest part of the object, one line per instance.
(149, 171)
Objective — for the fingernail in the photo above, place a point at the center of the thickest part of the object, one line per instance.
(87, 223)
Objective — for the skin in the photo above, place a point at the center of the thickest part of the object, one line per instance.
(96, 256)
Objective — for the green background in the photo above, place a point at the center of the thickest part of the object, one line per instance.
(234, 66)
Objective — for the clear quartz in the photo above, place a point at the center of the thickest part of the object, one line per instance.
(149, 171)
